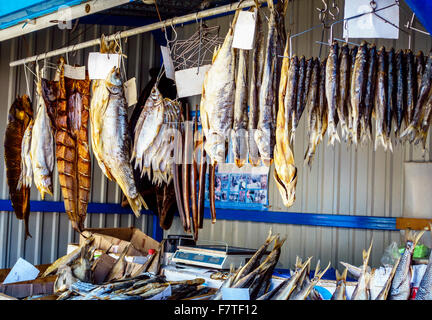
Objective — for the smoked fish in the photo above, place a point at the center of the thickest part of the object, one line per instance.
(401, 91)
(19, 117)
(344, 80)
(391, 96)
(380, 100)
(366, 125)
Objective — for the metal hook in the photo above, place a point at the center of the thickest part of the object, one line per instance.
(323, 12)
(336, 7)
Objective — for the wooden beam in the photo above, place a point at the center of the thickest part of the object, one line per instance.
(412, 223)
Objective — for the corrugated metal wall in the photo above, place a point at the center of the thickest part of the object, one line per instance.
(51, 232)
(342, 180)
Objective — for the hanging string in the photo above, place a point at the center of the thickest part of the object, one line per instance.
(26, 79)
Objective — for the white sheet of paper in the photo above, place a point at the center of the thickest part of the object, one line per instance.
(369, 25)
(77, 73)
(130, 91)
(235, 294)
(188, 82)
(168, 63)
(21, 271)
(99, 64)
(244, 31)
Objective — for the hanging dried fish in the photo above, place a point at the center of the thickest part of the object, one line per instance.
(264, 135)
(42, 147)
(381, 100)
(391, 96)
(332, 87)
(20, 116)
(258, 55)
(239, 134)
(343, 96)
(366, 124)
(72, 150)
(401, 91)
(285, 172)
(108, 118)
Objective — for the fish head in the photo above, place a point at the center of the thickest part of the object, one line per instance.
(113, 77)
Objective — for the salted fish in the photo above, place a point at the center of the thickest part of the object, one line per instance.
(264, 135)
(110, 137)
(381, 100)
(239, 133)
(366, 120)
(343, 95)
(42, 147)
(217, 99)
(332, 87)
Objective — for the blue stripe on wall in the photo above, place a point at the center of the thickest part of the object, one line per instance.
(311, 219)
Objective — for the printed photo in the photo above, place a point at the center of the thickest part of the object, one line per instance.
(254, 181)
(241, 196)
(250, 196)
(235, 182)
(242, 182)
(233, 197)
(264, 181)
(218, 183)
(224, 181)
(224, 196)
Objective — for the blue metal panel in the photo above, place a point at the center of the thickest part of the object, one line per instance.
(17, 11)
(423, 11)
(310, 219)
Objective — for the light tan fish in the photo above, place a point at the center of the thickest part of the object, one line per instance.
(340, 292)
(332, 92)
(217, 99)
(42, 148)
(26, 166)
(285, 172)
(361, 292)
(110, 138)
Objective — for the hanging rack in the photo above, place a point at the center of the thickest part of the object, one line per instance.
(135, 31)
(410, 23)
(374, 11)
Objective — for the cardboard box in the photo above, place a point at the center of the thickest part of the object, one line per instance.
(119, 238)
(39, 286)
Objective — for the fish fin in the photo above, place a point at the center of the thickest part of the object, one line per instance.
(389, 144)
(409, 131)
(379, 139)
(344, 275)
(270, 4)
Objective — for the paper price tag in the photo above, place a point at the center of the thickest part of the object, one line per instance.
(168, 63)
(77, 73)
(21, 271)
(188, 82)
(100, 64)
(130, 91)
(244, 31)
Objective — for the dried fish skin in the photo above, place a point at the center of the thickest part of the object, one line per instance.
(26, 166)
(401, 91)
(72, 150)
(217, 99)
(110, 137)
(391, 96)
(20, 114)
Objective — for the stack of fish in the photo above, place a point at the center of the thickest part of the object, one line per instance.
(155, 132)
(398, 283)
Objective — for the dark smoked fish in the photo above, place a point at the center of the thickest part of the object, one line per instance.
(400, 91)
(258, 55)
(411, 93)
(300, 96)
(353, 55)
(391, 96)
(366, 124)
(20, 115)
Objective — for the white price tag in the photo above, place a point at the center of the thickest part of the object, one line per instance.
(100, 64)
(168, 63)
(130, 91)
(188, 82)
(77, 73)
(21, 271)
(369, 25)
(244, 31)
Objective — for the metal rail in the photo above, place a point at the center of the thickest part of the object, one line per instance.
(139, 30)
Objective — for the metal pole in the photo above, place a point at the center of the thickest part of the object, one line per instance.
(139, 30)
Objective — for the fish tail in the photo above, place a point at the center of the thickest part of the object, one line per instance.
(389, 144)
(366, 255)
(136, 204)
(409, 131)
(413, 236)
(379, 139)
(332, 133)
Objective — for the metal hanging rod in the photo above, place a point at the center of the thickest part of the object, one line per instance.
(143, 29)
